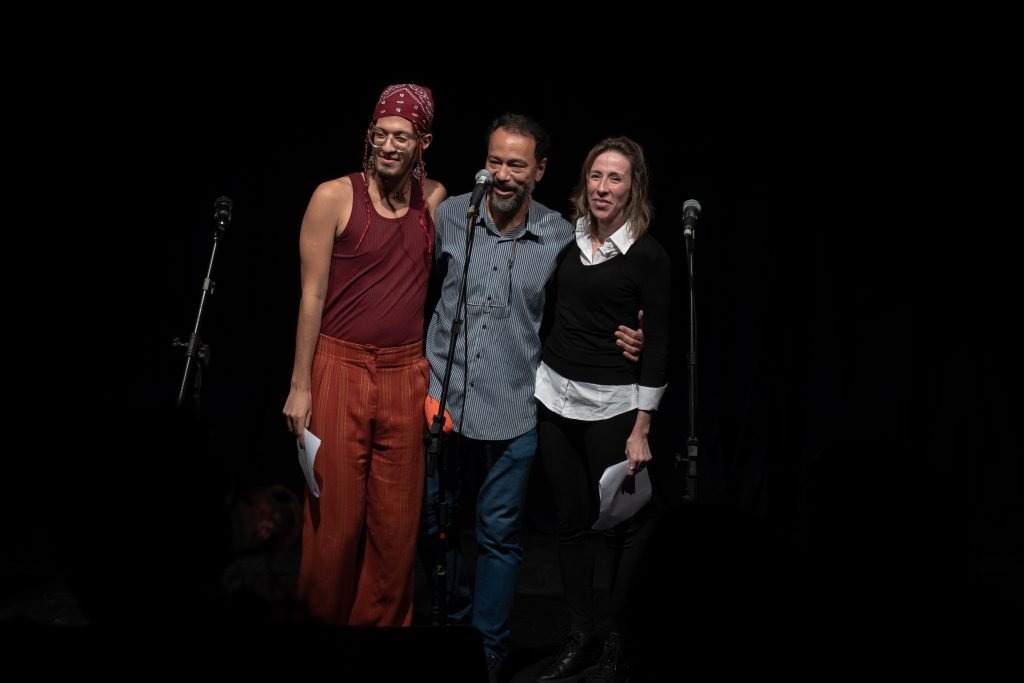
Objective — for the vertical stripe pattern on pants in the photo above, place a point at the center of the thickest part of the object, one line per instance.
(359, 537)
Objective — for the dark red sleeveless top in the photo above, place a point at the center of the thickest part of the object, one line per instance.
(376, 293)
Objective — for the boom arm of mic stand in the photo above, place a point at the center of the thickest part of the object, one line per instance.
(196, 352)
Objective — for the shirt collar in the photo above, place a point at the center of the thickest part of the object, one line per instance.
(621, 238)
(533, 230)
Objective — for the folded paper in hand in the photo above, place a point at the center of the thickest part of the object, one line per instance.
(307, 446)
(620, 500)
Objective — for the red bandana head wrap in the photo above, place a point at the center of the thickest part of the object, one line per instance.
(412, 102)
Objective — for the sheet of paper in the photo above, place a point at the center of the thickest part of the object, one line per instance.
(307, 447)
(618, 502)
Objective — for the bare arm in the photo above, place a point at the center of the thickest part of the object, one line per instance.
(638, 451)
(435, 194)
(326, 217)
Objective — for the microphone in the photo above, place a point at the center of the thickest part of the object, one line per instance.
(484, 178)
(691, 212)
(222, 212)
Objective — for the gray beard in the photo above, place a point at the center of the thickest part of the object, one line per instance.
(510, 204)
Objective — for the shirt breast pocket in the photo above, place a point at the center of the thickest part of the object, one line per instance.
(496, 311)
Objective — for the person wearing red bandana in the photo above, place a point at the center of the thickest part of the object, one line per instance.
(359, 376)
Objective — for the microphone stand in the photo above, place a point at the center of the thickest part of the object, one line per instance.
(197, 354)
(692, 447)
(437, 457)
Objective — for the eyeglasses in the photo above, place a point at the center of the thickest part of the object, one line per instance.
(401, 140)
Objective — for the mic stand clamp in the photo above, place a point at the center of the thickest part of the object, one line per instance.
(194, 349)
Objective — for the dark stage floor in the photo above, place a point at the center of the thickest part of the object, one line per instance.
(726, 594)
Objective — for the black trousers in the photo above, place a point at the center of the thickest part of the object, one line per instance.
(574, 454)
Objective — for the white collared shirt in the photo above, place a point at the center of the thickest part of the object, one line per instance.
(617, 243)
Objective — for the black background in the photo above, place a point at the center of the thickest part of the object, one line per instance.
(853, 425)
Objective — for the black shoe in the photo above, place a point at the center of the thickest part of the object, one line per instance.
(613, 667)
(579, 653)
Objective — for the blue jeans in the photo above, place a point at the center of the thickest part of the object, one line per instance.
(502, 469)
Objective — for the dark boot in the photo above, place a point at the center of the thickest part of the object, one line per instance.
(580, 651)
(613, 667)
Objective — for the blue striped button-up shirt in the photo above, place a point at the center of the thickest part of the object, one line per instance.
(490, 395)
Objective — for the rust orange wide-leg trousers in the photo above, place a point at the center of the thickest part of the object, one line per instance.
(359, 537)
